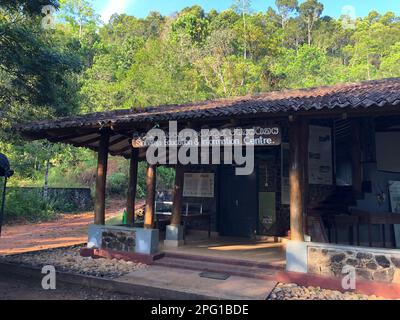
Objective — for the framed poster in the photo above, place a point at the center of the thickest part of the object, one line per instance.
(199, 185)
(267, 211)
(320, 163)
(394, 194)
(387, 151)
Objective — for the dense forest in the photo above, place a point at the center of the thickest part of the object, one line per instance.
(84, 65)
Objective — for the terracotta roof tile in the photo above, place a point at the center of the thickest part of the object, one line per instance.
(368, 94)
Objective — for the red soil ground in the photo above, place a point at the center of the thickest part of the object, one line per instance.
(68, 230)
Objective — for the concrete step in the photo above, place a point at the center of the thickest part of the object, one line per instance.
(231, 269)
(220, 260)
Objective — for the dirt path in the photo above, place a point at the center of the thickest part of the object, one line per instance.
(68, 230)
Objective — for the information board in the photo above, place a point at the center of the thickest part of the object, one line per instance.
(200, 185)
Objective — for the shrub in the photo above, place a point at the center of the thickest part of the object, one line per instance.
(117, 184)
(26, 205)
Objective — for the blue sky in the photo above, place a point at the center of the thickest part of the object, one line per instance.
(141, 8)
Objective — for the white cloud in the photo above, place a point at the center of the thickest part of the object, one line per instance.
(115, 6)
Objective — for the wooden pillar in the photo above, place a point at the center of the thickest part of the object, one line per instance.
(100, 198)
(356, 158)
(177, 197)
(305, 135)
(150, 196)
(298, 153)
(132, 185)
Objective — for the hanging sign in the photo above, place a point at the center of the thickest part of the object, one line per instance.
(251, 136)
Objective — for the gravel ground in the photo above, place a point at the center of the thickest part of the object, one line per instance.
(69, 260)
(291, 291)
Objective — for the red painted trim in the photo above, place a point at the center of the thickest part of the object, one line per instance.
(380, 289)
(127, 256)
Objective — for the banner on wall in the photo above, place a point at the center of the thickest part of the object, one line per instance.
(199, 185)
(320, 164)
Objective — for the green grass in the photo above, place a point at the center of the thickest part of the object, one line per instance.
(115, 220)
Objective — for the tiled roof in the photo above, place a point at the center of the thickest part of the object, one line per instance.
(369, 94)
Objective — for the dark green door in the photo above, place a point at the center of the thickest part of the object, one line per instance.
(238, 203)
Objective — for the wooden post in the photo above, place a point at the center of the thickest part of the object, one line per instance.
(298, 152)
(305, 133)
(100, 198)
(177, 200)
(133, 171)
(150, 196)
(356, 158)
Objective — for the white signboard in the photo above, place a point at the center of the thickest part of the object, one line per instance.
(320, 168)
(394, 192)
(200, 185)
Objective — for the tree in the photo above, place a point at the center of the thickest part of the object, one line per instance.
(192, 25)
(307, 67)
(36, 70)
(390, 64)
(285, 9)
(80, 15)
(310, 11)
(243, 8)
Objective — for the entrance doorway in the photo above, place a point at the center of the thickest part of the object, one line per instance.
(238, 204)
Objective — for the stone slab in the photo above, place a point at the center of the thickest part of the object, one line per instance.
(147, 241)
(173, 243)
(174, 233)
(296, 256)
(189, 281)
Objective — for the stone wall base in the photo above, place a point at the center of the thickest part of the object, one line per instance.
(329, 260)
(123, 239)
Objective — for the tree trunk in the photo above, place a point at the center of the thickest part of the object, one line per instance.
(46, 180)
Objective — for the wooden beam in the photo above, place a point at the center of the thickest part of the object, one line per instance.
(119, 151)
(67, 138)
(298, 143)
(118, 140)
(150, 196)
(100, 198)
(176, 217)
(133, 174)
(356, 157)
(86, 142)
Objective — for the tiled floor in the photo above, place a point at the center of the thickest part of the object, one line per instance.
(233, 248)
